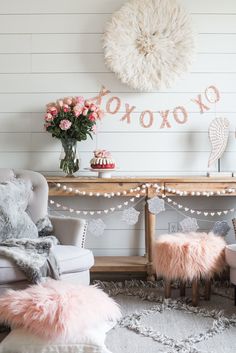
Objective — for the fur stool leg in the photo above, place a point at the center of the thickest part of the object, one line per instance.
(195, 292)
(167, 288)
(235, 295)
(207, 289)
(182, 288)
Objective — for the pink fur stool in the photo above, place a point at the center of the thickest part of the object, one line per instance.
(189, 257)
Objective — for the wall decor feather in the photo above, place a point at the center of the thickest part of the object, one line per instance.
(218, 136)
(148, 44)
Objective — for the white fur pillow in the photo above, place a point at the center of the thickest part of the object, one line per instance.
(88, 341)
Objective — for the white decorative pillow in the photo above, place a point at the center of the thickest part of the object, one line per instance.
(14, 220)
(90, 341)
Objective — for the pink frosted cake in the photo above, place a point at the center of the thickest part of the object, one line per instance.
(102, 160)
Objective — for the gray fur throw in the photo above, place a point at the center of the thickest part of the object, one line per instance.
(44, 226)
(26, 244)
(33, 256)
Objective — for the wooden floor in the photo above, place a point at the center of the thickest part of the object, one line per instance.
(120, 264)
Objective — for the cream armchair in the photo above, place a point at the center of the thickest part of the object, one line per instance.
(75, 261)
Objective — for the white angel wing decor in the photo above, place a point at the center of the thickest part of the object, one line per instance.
(218, 136)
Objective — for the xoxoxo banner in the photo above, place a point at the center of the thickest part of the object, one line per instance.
(178, 115)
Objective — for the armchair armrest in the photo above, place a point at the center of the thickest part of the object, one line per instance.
(70, 231)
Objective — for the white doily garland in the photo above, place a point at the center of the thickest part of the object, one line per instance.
(96, 227)
(149, 43)
(221, 228)
(156, 205)
(189, 225)
(130, 216)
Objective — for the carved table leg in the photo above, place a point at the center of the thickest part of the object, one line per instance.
(146, 228)
(150, 228)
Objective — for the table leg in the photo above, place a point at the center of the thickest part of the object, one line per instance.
(146, 229)
(150, 229)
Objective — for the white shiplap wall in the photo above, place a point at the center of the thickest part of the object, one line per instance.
(52, 48)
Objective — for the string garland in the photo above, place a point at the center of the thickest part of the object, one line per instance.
(200, 192)
(142, 189)
(97, 226)
(139, 192)
(198, 212)
(98, 212)
(184, 215)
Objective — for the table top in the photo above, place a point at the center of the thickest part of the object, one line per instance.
(141, 179)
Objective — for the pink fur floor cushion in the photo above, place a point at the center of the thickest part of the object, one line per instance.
(189, 256)
(57, 310)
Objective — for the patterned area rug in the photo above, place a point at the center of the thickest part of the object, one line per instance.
(152, 324)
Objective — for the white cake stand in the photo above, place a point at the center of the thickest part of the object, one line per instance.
(102, 173)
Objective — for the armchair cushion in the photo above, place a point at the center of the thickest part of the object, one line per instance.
(73, 258)
(9, 272)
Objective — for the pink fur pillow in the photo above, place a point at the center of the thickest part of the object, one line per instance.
(57, 309)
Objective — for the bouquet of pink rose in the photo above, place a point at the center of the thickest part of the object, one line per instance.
(72, 117)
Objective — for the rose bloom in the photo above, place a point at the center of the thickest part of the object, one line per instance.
(87, 103)
(85, 111)
(93, 116)
(79, 100)
(68, 100)
(50, 105)
(65, 108)
(60, 103)
(53, 110)
(93, 107)
(65, 124)
(77, 110)
(49, 117)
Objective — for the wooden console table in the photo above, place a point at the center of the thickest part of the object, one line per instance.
(137, 264)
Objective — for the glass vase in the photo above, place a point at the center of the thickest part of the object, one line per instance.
(69, 160)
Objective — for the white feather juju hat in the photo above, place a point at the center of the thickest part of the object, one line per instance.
(149, 43)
